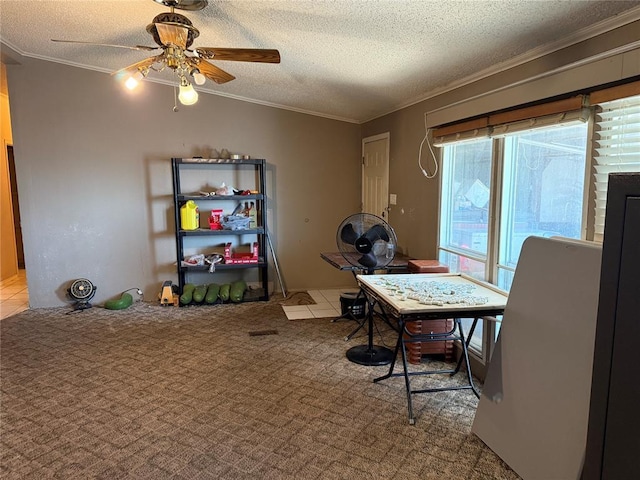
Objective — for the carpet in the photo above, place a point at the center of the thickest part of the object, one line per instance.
(155, 392)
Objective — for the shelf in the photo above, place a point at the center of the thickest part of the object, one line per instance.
(251, 295)
(218, 161)
(250, 174)
(218, 198)
(203, 232)
(224, 266)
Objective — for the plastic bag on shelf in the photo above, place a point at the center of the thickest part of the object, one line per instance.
(193, 261)
(224, 190)
(235, 222)
(212, 260)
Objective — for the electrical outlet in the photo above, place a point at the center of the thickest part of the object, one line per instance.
(393, 198)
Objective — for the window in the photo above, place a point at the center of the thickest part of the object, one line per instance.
(464, 213)
(542, 190)
(464, 228)
(537, 177)
(512, 174)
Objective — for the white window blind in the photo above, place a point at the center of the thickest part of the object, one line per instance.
(616, 148)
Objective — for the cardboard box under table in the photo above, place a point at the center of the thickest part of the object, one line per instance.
(415, 350)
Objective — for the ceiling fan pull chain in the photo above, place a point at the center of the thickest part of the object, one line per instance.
(175, 99)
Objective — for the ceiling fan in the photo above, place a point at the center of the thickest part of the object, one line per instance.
(174, 33)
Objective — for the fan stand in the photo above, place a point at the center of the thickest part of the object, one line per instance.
(81, 306)
(370, 355)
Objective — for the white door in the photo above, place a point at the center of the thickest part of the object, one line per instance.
(375, 175)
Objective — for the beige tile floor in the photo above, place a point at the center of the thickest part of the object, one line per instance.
(14, 295)
(327, 305)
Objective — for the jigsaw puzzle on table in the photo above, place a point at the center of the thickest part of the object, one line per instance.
(408, 294)
(430, 292)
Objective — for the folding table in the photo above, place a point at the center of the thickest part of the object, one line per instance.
(468, 297)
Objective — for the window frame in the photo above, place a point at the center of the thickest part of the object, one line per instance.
(480, 356)
(476, 127)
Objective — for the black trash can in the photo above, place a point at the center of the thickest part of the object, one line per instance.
(352, 304)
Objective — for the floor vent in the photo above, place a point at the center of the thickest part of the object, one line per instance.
(256, 333)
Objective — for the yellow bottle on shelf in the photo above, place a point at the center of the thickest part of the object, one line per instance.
(189, 216)
(253, 216)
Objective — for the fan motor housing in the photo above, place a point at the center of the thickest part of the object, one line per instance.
(363, 245)
(175, 19)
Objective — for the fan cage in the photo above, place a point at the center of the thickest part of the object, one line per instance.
(364, 236)
(82, 289)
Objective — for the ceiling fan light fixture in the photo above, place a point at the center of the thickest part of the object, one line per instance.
(134, 80)
(187, 95)
(131, 83)
(198, 77)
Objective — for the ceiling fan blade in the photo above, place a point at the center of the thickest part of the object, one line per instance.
(210, 71)
(348, 234)
(240, 54)
(172, 34)
(147, 62)
(136, 47)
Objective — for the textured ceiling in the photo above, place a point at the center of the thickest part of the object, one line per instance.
(348, 59)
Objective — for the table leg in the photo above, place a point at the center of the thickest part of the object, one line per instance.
(407, 383)
(349, 315)
(400, 346)
(473, 329)
(465, 352)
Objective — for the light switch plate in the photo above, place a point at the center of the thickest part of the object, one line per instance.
(393, 198)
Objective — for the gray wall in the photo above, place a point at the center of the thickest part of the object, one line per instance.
(95, 188)
(415, 216)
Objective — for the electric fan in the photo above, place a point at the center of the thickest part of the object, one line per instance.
(368, 243)
(81, 291)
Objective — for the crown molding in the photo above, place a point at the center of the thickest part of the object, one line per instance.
(581, 35)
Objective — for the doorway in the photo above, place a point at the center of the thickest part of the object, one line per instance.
(375, 175)
(15, 206)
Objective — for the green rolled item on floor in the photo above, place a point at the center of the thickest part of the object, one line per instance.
(187, 293)
(236, 291)
(212, 293)
(199, 292)
(224, 292)
(121, 303)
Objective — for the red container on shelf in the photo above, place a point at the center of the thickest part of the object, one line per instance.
(214, 220)
(231, 257)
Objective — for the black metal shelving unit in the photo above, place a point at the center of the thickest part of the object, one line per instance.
(259, 234)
